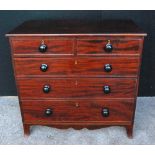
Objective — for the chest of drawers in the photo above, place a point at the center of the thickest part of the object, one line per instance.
(77, 73)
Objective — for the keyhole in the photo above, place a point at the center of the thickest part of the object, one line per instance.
(76, 83)
(77, 104)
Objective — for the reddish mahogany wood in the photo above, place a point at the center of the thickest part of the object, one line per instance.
(76, 59)
(73, 67)
(26, 128)
(120, 46)
(81, 125)
(77, 88)
(121, 66)
(129, 129)
(78, 110)
(31, 46)
(56, 66)
(77, 27)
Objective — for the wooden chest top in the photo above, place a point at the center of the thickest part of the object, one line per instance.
(77, 28)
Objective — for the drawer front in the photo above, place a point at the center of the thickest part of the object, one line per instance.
(77, 88)
(106, 66)
(79, 111)
(53, 46)
(119, 46)
(43, 66)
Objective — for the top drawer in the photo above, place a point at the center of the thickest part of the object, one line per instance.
(108, 46)
(43, 46)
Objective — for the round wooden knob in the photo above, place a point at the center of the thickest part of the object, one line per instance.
(48, 112)
(105, 112)
(46, 89)
(106, 89)
(107, 67)
(108, 47)
(42, 48)
(43, 67)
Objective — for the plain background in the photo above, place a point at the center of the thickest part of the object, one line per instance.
(145, 19)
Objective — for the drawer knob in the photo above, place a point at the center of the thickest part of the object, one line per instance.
(48, 112)
(105, 112)
(108, 47)
(43, 67)
(106, 89)
(42, 48)
(46, 89)
(107, 67)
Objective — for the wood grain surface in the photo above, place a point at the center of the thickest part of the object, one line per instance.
(87, 110)
(31, 46)
(32, 88)
(77, 67)
(120, 46)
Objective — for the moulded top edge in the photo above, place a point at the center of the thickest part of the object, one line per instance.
(72, 35)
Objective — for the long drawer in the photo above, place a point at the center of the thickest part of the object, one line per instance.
(104, 66)
(77, 110)
(41, 88)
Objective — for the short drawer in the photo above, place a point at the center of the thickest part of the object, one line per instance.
(107, 111)
(42, 46)
(77, 88)
(83, 67)
(108, 46)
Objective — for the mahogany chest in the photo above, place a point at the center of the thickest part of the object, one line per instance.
(77, 73)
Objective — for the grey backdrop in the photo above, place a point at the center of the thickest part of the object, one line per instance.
(145, 19)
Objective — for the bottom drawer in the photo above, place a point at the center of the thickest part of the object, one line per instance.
(46, 112)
